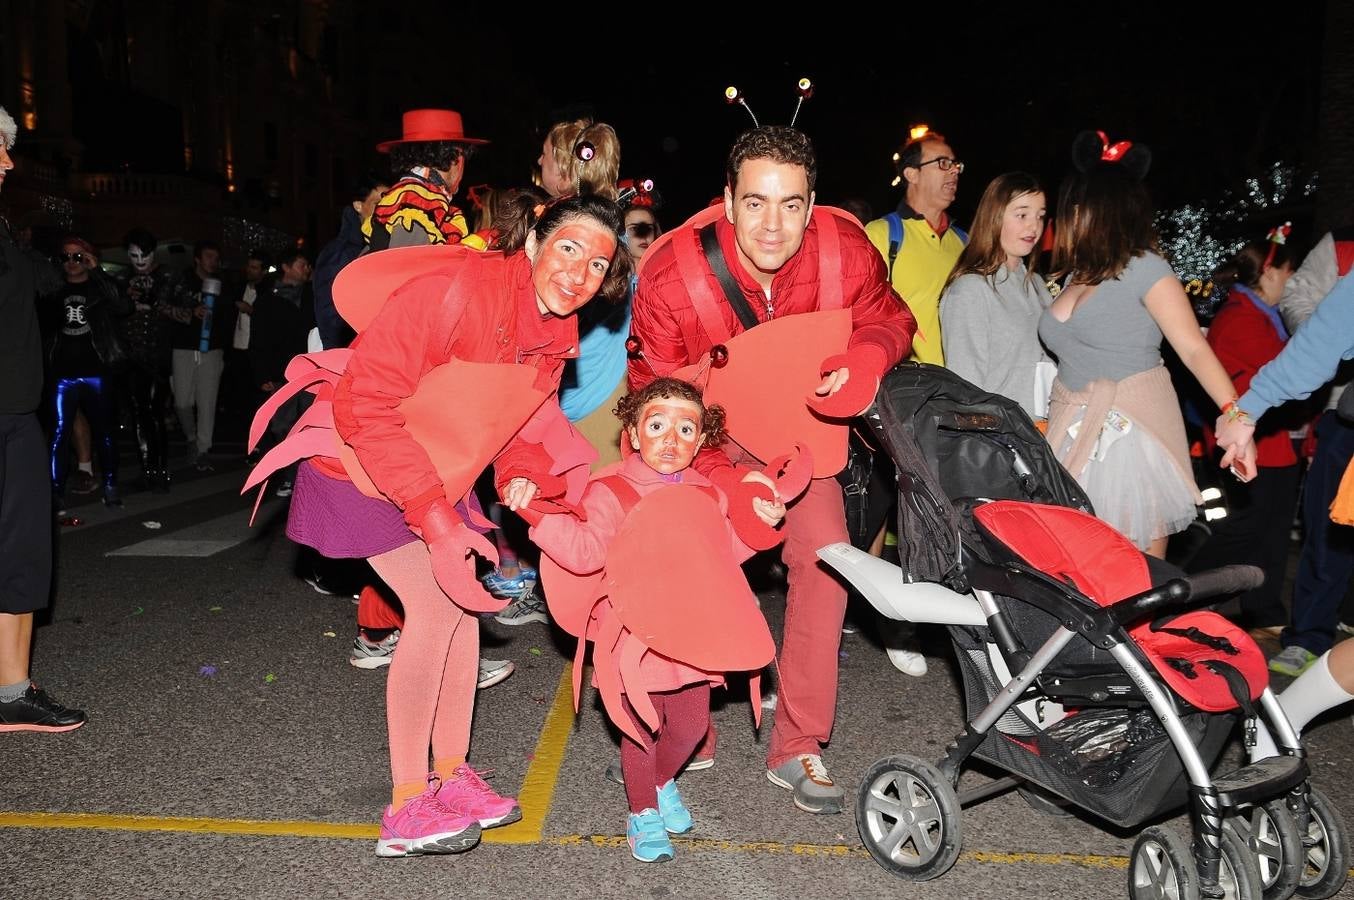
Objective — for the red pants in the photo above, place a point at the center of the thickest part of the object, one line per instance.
(683, 716)
(815, 605)
(376, 612)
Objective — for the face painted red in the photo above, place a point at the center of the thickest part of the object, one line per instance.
(668, 434)
(568, 268)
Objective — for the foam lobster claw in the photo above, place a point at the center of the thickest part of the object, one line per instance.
(791, 474)
(450, 542)
(857, 394)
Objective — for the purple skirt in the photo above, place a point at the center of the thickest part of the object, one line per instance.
(334, 517)
(341, 522)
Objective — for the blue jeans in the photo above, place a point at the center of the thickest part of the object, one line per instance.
(1327, 560)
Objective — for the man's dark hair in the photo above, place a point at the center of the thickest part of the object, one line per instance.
(433, 154)
(202, 246)
(777, 143)
(261, 255)
(289, 256)
(910, 156)
(140, 237)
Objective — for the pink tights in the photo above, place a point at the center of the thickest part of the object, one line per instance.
(430, 691)
(684, 715)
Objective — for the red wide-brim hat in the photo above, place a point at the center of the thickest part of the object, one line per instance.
(423, 125)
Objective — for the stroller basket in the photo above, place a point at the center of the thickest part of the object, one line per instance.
(1117, 763)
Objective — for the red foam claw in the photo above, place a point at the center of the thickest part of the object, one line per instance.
(450, 542)
(749, 527)
(854, 397)
(791, 472)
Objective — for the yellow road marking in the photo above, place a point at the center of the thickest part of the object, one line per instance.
(366, 831)
(276, 827)
(538, 787)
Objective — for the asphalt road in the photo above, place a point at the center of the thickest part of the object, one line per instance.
(232, 752)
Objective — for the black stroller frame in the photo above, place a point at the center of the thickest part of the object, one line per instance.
(1255, 829)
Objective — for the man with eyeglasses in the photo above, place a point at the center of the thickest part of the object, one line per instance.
(25, 498)
(921, 244)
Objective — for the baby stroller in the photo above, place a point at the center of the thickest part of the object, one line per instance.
(1087, 677)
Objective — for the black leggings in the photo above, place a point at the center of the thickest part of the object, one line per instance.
(97, 398)
(150, 395)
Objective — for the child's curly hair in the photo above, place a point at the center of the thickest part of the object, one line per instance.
(712, 417)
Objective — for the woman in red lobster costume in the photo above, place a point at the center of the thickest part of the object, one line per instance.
(457, 364)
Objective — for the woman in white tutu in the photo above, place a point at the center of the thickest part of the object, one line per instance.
(1114, 419)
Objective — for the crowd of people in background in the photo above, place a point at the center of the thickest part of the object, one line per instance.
(1075, 338)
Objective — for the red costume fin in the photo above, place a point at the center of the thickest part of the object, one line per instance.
(632, 681)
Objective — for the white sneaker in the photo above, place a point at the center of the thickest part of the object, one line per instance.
(909, 662)
(368, 655)
(492, 671)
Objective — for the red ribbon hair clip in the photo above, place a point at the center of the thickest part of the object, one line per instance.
(1277, 237)
(1112, 152)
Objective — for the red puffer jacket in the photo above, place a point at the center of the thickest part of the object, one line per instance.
(671, 334)
(481, 308)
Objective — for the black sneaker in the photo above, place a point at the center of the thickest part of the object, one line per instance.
(35, 711)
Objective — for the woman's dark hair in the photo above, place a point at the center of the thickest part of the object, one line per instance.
(1248, 264)
(983, 254)
(433, 154)
(629, 407)
(523, 215)
(1104, 220)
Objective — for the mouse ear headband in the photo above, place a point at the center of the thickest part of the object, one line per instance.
(1093, 148)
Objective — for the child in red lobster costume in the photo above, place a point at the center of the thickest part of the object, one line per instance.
(457, 368)
(654, 656)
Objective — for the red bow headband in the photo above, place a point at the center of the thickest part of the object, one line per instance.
(1112, 152)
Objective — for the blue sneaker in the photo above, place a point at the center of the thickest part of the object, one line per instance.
(648, 838)
(506, 588)
(676, 817)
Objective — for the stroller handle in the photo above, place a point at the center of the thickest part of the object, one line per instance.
(1192, 589)
(1224, 581)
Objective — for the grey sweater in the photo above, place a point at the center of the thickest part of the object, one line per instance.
(991, 333)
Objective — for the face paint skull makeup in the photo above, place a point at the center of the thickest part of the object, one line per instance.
(668, 434)
(141, 260)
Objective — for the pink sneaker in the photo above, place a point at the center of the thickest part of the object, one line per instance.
(468, 793)
(425, 825)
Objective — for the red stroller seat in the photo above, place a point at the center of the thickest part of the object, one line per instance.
(1209, 662)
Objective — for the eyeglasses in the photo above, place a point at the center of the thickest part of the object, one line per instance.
(641, 230)
(944, 163)
(73, 257)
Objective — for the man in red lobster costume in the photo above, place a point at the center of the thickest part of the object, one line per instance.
(761, 261)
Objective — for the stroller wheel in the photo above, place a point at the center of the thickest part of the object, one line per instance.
(1161, 867)
(1271, 835)
(1327, 859)
(909, 818)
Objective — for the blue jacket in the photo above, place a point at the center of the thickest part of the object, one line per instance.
(1310, 358)
(348, 246)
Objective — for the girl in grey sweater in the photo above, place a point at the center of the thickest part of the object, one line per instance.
(989, 313)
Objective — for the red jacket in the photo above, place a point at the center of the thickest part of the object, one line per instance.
(480, 308)
(1244, 339)
(664, 317)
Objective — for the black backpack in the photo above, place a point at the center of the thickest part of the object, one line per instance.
(954, 444)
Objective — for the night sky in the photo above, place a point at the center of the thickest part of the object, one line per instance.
(1215, 95)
